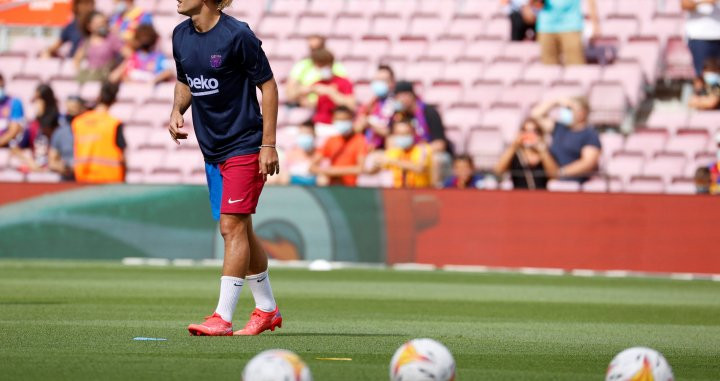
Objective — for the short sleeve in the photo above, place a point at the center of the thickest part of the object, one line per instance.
(251, 57)
(16, 111)
(180, 73)
(592, 139)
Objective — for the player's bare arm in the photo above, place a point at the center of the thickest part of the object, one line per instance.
(181, 103)
(269, 163)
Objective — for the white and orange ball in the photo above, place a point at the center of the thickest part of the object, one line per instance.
(639, 364)
(276, 365)
(422, 360)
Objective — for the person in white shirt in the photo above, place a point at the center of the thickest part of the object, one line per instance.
(702, 27)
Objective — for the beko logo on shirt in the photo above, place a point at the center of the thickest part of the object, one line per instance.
(208, 85)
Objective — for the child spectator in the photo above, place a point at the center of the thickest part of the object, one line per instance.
(304, 74)
(33, 148)
(60, 157)
(100, 51)
(299, 159)
(528, 159)
(703, 180)
(332, 91)
(345, 152)
(708, 98)
(425, 118)
(375, 117)
(72, 32)
(126, 18)
(146, 63)
(464, 176)
(12, 117)
(575, 145)
(410, 162)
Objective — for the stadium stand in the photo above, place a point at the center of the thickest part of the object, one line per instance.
(459, 54)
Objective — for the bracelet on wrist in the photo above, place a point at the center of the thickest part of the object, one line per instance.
(267, 145)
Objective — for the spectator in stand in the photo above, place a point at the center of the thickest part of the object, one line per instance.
(12, 117)
(409, 160)
(523, 15)
(345, 152)
(146, 63)
(61, 155)
(528, 159)
(702, 27)
(332, 91)
(72, 32)
(560, 28)
(703, 180)
(126, 18)
(428, 127)
(100, 52)
(575, 145)
(299, 159)
(715, 169)
(304, 73)
(99, 142)
(464, 176)
(708, 98)
(33, 148)
(375, 117)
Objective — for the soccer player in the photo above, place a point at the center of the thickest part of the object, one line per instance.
(220, 63)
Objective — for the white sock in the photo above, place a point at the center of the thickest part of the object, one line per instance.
(261, 290)
(230, 288)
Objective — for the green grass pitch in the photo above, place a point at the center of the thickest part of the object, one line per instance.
(76, 321)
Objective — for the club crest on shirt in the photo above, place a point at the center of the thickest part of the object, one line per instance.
(215, 61)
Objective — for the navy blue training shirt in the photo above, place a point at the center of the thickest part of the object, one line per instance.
(567, 144)
(222, 67)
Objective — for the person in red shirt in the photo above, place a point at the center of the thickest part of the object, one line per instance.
(345, 152)
(332, 91)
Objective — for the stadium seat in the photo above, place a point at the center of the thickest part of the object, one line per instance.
(357, 67)
(10, 66)
(586, 75)
(448, 46)
(4, 157)
(354, 25)
(276, 24)
(366, 7)
(644, 184)
(136, 136)
(625, 165)
(629, 75)
(484, 48)
(608, 105)
(688, 142)
(123, 111)
(163, 176)
(505, 71)
(293, 48)
(64, 88)
(678, 60)
(648, 141)
(681, 186)
(562, 89)
(468, 26)
(643, 9)
(465, 70)
(563, 186)
(523, 93)
(665, 165)
(132, 92)
(425, 69)
(484, 93)
(314, 23)
(372, 47)
(340, 45)
(401, 8)
(621, 26)
(331, 7)
(144, 160)
(527, 51)
(463, 116)
(456, 135)
(363, 92)
(42, 177)
(184, 160)
(546, 74)
(153, 114)
(706, 120)
(498, 27)
(390, 25)
(485, 145)
(506, 119)
(671, 120)
(10, 175)
(444, 93)
(663, 26)
(298, 115)
(293, 7)
(164, 25)
(197, 176)
(646, 51)
(602, 185)
(42, 69)
(427, 25)
(410, 47)
(163, 92)
(612, 142)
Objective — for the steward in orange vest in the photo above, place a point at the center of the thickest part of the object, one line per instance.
(99, 142)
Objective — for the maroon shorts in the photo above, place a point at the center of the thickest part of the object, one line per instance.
(235, 185)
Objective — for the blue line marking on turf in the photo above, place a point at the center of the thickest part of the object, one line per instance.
(149, 339)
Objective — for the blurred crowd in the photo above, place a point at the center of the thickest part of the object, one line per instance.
(396, 136)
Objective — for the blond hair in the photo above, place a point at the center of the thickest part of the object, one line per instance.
(222, 4)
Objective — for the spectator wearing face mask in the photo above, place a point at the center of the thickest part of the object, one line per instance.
(410, 161)
(345, 153)
(127, 17)
(299, 159)
(72, 32)
(146, 63)
(376, 116)
(62, 150)
(304, 73)
(12, 117)
(575, 145)
(100, 51)
(702, 28)
(464, 176)
(33, 148)
(708, 98)
(528, 159)
(332, 91)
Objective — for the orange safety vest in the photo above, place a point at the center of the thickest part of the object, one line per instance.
(98, 159)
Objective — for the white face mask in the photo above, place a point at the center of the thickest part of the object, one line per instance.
(343, 127)
(120, 7)
(326, 73)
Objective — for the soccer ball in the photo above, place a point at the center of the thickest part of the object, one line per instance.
(422, 360)
(641, 364)
(276, 365)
